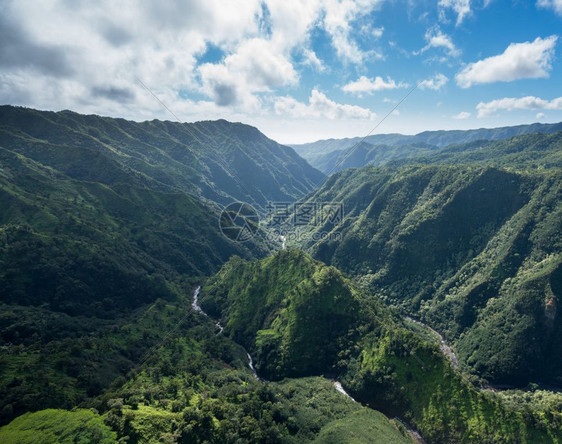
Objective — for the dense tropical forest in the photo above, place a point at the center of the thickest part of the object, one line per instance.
(127, 316)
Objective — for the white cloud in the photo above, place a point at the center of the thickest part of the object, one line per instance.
(257, 66)
(540, 115)
(311, 59)
(486, 109)
(320, 106)
(462, 115)
(90, 57)
(338, 18)
(291, 20)
(366, 85)
(555, 5)
(94, 55)
(519, 61)
(435, 38)
(460, 7)
(435, 83)
(377, 32)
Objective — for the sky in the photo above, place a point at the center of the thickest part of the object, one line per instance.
(299, 70)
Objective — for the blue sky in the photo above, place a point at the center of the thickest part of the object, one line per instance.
(299, 70)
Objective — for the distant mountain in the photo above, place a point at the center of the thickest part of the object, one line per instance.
(335, 154)
(474, 251)
(528, 151)
(219, 161)
(368, 154)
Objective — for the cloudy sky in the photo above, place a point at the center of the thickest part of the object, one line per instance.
(299, 70)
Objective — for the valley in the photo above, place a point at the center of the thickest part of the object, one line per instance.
(128, 315)
(280, 222)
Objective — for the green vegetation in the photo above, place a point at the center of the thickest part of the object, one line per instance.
(359, 427)
(192, 386)
(295, 315)
(474, 251)
(219, 161)
(384, 363)
(58, 426)
(87, 244)
(404, 376)
(107, 226)
(540, 151)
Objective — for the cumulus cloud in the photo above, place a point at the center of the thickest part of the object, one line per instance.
(338, 18)
(435, 38)
(57, 54)
(367, 85)
(462, 115)
(257, 66)
(435, 83)
(460, 7)
(486, 109)
(20, 51)
(93, 57)
(555, 5)
(519, 61)
(540, 115)
(320, 106)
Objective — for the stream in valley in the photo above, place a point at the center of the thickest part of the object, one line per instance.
(337, 385)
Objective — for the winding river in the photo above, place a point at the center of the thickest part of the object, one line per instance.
(197, 308)
(445, 348)
(337, 385)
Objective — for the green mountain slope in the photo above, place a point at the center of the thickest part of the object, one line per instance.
(292, 313)
(86, 244)
(525, 151)
(82, 238)
(219, 161)
(58, 426)
(308, 319)
(473, 251)
(368, 154)
(77, 260)
(191, 386)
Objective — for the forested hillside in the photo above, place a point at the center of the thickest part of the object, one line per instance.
(80, 257)
(474, 251)
(299, 317)
(104, 238)
(219, 161)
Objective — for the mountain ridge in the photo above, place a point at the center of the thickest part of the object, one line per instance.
(332, 155)
(215, 160)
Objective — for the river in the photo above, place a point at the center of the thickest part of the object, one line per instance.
(197, 308)
(445, 348)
